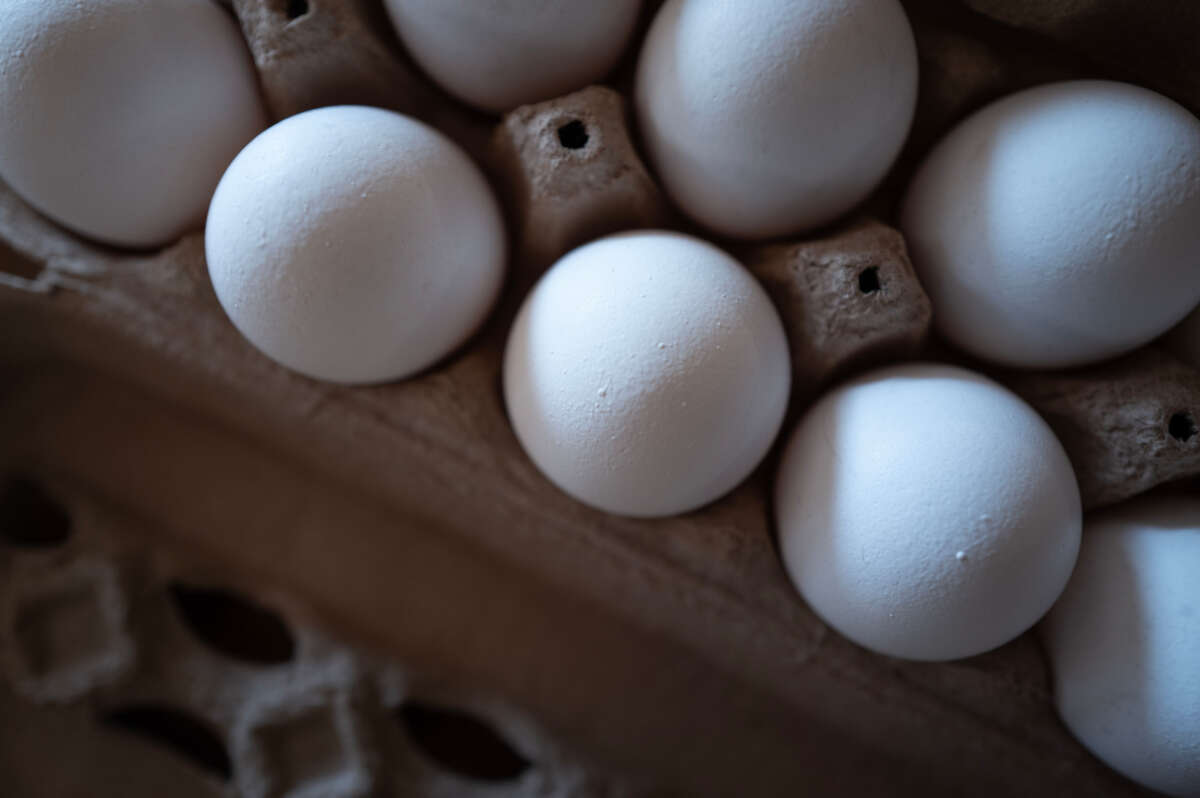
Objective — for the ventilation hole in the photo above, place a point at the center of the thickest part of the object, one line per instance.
(28, 517)
(173, 729)
(868, 280)
(234, 626)
(17, 264)
(296, 8)
(461, 743)
(1182, 427)
(573, 135)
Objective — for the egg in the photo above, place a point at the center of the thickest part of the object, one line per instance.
(499, 54)
(354, 244)
(926, 512)
(646, 373)
(117, 117)
(1124, 642)
(769, 118)
(1060, 225)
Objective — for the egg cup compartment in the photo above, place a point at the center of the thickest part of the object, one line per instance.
(673, 653)
(311, 53)
(308, 743)
(1128, 425)
(848, 300)
(570, 174)
(64, 630)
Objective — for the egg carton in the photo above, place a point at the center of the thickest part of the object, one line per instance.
(616, 655)
(215, 694)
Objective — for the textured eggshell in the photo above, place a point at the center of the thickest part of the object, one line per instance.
(926, 512)
(498, 54)
(767, 118)
(117, 117)
(354, 244)
(1124, 642)
(1060, 225)
(646, 373)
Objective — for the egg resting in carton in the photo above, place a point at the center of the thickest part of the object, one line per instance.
(357, 38)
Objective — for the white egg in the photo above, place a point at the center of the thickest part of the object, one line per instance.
(1124, 642)
(498, 54)
(647, 373)
(354, 244)
(117, 117)
(927, 512)
(1060, 225)
(767, 118)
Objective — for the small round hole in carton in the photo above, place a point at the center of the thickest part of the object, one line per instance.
(573, 135)
(1182, 427)
(868, 280)
(296, 8)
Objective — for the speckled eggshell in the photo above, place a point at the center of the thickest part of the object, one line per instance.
(117, 117)
(926, 512)
(1061, 225)
(354, 244)
(499, 54)
(768, 118)
(1124, 642)
(647, 373)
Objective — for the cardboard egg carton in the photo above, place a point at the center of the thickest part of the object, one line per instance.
(1128, 425)
(413, 550)
(115, 635)
(570, 174)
